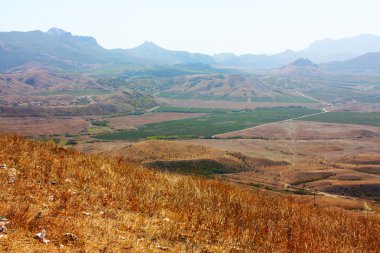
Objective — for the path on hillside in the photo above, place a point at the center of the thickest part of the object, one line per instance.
(152, 109)
(292, 149)
(312, 98)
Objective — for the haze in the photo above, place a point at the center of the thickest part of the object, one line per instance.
(239, 26)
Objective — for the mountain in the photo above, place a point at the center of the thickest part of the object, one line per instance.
(341, 49)
(261, 61)
(63, 50)
(365, 63)
(55, 47)
(158, 55)
(301, 66)
(320, 51)
(303, 62)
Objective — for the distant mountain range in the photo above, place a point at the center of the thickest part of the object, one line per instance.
(365, 63)
(321, 51)
(63, 50)
(158, 55)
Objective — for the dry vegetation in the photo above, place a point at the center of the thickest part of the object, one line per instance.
(114, 206)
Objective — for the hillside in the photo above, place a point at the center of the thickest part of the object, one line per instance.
(208, 86)
(89, 203)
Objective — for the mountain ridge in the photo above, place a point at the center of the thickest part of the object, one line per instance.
(60, 48)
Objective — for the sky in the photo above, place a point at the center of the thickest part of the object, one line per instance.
(204, 26)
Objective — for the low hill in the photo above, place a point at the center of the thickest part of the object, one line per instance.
(127, 101)
(89, 203)
(36, 78)
(185, 158)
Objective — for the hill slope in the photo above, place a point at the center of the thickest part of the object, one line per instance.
(113, 206)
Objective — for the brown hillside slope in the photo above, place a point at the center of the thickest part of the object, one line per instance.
(113, 206)
(187, 158)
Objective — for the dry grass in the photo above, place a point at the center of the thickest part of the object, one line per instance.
(113, 206)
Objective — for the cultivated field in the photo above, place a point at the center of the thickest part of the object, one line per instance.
(209, 125)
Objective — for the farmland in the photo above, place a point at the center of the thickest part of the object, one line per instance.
(370, 119)
(209, 125)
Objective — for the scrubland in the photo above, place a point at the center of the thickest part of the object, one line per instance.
(115, 206)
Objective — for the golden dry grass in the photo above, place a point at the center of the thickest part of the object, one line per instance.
(114, 206)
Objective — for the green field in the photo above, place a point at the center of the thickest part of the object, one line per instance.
(209, 125)
(193, 110)
(361, 118)
(369, 99)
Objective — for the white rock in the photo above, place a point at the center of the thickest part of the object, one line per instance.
(41, 237)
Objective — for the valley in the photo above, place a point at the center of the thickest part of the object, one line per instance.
(190, 126)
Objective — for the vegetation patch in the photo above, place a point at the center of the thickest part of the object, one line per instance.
(209, 125)
(369, 170)
(203, 167)
(100, 123)
(309, 180)
(193, 110)
(360, 118)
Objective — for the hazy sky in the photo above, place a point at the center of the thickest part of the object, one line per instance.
(206, 26)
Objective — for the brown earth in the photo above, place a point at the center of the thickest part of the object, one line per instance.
(132, 121)
(35, 126)
(306, 130)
